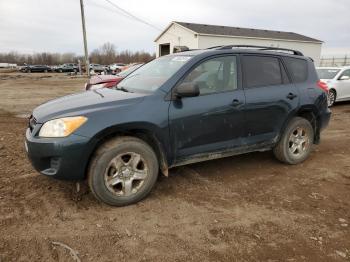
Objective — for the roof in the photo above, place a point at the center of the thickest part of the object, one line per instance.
(217, 30)
(214, 51)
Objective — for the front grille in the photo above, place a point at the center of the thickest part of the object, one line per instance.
(32, 123)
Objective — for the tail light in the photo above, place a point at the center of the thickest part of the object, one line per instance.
(323, 86)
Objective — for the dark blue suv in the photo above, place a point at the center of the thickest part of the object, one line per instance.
(179, 109)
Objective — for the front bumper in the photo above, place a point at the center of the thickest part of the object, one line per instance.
(61, 158)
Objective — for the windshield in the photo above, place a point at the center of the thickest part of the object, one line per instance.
(128, 71)
(325, 73)
(151, 76)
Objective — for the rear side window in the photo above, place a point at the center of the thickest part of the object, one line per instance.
(297, 69)
(263, 71)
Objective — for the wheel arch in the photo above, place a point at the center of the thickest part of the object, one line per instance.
(310, 113)
(145, 131)
(333, 89)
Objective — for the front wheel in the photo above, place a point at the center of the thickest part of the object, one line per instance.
(123, 171)
(295, 144)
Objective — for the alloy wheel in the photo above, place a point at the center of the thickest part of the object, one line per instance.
(331, 98)
(299, 142)
(126, 174)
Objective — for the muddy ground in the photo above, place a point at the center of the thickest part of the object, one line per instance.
(244, 208)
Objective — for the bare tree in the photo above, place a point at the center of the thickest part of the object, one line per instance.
(106, 54)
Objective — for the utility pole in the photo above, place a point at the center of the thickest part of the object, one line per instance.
(87, 63)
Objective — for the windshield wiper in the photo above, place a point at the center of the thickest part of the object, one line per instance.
(121, 88)
(130, 76)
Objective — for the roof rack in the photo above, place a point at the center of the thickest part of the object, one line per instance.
(267, 48)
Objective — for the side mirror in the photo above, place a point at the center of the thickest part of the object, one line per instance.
(344, 78)
(186, 90)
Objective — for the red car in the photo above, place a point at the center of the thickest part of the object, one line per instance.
(109, 81)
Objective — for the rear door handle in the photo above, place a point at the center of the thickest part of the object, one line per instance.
(291, 96)
(236, 102)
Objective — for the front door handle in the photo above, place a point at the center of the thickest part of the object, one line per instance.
(291, 96)
(236, 102)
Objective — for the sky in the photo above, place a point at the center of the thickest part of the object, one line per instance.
(29, 26)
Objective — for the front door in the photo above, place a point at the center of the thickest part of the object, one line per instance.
(212, 121)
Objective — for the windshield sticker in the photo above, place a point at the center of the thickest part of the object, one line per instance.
(181, 58)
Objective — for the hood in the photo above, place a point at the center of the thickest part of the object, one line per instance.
(85, 103)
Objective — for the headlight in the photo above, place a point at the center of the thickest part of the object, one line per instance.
(93, 87)
(61, 127)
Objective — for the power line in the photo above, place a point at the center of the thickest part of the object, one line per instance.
(130, 15)
(121, 11)
(108, 9)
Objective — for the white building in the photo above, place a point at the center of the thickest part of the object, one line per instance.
(200, 36)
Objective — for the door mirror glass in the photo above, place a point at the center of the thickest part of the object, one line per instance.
(344, 77)
(187, 90)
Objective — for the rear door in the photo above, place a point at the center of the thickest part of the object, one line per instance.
(270, 97)
(212, 121)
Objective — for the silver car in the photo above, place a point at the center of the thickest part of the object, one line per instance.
(338, 81)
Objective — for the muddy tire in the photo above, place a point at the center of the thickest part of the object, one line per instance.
(296, 142)
(123, 171)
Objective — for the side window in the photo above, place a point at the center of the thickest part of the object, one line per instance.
(215, 75)
(297, 69)
(346, 73)
(263, 71)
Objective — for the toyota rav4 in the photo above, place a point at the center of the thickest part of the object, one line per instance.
(180, 109)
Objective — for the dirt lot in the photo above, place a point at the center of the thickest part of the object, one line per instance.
(245, 208)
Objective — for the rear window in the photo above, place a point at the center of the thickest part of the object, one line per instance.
(262, 71)
(297, 69)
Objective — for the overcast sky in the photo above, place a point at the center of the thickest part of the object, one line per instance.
(55, 26)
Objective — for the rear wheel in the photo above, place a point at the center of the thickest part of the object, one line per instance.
(331, 97)
(295, 144)
(123, 171)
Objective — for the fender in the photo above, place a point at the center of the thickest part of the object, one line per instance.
(148, 132)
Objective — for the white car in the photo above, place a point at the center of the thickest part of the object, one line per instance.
(97, 68)
(116, 67)
(338, 82)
